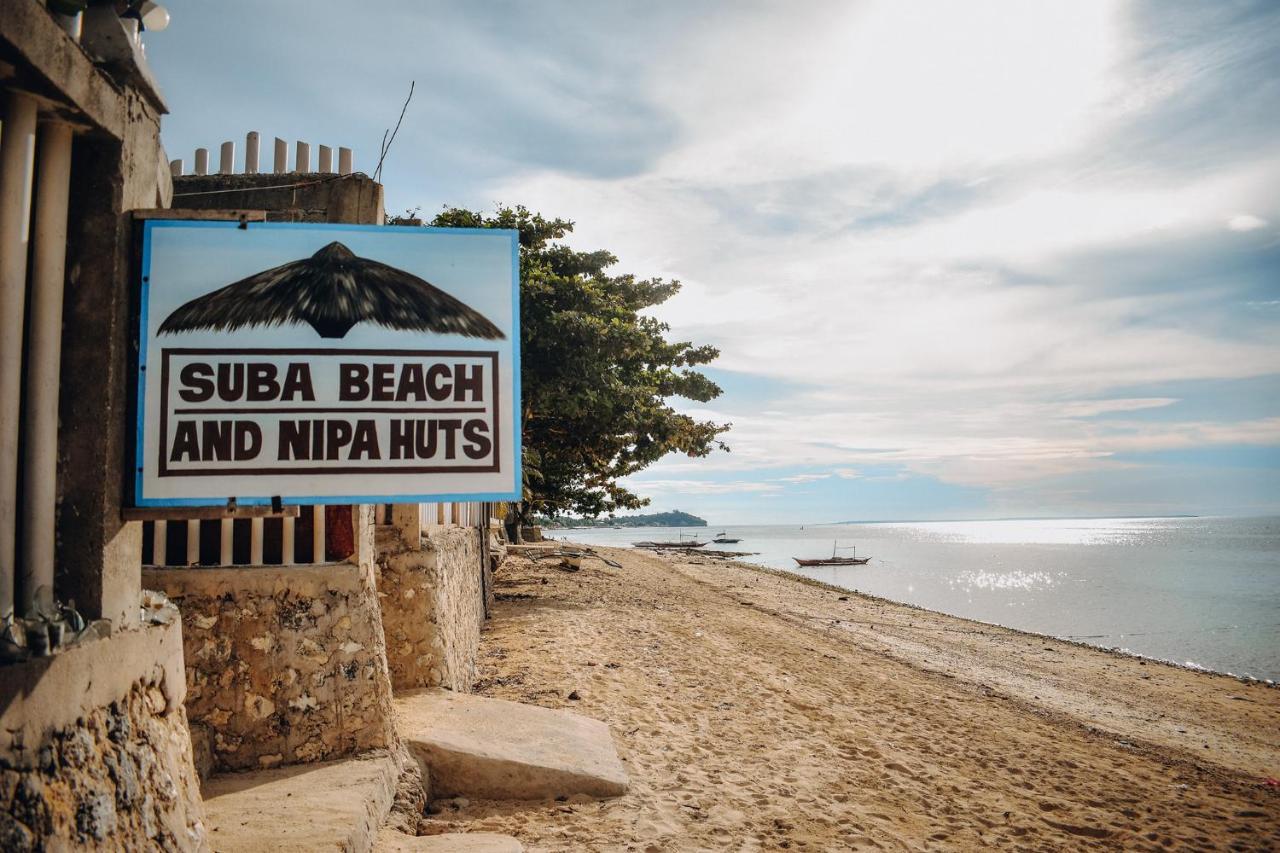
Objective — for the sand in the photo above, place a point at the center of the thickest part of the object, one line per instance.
(758, 712)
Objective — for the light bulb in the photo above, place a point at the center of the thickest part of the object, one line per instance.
(154, 16)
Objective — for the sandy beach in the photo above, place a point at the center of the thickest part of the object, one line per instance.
(756, 711)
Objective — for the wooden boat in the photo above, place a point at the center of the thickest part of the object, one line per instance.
(691, 542)
(723, 539)
(833, 560)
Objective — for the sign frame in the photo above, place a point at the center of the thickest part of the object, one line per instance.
(512, 431)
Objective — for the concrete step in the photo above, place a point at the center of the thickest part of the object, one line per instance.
(391, 841)
(493, 749)
(331, 805)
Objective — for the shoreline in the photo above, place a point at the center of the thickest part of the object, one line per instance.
(879, 599)
(755, 709)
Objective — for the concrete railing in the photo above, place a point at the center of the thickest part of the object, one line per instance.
(252, 152)
(240, 541)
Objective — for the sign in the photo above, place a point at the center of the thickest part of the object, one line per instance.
(327, 364)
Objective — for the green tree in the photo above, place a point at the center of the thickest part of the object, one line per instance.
(596, 373)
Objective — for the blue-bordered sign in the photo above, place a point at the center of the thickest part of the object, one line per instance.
(327, 364)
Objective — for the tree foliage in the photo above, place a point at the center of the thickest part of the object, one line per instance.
(596, 372)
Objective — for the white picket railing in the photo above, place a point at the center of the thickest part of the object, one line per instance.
(345, 164)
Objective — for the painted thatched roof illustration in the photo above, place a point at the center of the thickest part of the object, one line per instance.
(332, 291)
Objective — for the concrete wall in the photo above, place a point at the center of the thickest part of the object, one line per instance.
(433, 606)
(354, 198)
(94, 749)
(284, 664)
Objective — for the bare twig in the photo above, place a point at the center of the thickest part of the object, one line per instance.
(386, 143)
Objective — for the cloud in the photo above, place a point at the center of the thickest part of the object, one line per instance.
(997, 243)
(1246, 222)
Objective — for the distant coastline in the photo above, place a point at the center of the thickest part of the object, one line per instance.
(675, 518)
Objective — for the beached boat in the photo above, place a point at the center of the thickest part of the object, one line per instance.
(833, 560)
(683, 543)
(724, 539)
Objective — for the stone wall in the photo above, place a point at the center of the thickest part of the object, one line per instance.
(433, 606)
(285, 664)
(90, 762)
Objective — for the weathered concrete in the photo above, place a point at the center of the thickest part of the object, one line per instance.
(49, 65)
(449, 842)
(98, 554)
(494, 749)
(433, 606)
(331, 805)
(91, 762)
(312, 197)
(284, 664)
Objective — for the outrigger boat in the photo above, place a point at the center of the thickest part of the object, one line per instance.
(723, 539)
(833, 560)
(680, 543)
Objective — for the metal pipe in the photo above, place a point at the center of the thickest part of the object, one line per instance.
(227, 159)
(326, 159)
(44, 363)
(282, 156)
(302, 159)
(251, 153)
(317, 534)
(17, 157)
(344, 161)
(175, 168)
(202, 161)
(70, 24)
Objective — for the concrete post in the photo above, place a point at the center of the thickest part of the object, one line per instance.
(344, 161)
(226, 556)
(202, 161)
(193, 541)
(317, 531)
(17, 157)
(282, 156)
(160, 543)
(302, 160)
(288, 551)
(407, 520)
(256, 529)
(251, 153)
(326, 159)
(227, 159)
(44, 363)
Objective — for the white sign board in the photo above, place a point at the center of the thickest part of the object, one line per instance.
(327, 364)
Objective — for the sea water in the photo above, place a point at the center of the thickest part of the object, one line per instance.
(1202, 592)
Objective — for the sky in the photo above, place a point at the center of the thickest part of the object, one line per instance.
(961, 260)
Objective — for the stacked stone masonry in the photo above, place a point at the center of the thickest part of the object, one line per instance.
(81, 771)
(433, 606)
(284, 665)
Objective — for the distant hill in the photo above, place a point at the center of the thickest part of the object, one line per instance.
(674, 518)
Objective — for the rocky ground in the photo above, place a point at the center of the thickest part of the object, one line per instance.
(759, 712)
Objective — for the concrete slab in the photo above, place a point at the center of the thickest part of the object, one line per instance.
(494, 749)
(331, 805)
(391, 841)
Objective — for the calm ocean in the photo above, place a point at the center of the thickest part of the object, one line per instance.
(1202, 592)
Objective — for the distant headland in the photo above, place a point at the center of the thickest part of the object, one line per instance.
(674, 518)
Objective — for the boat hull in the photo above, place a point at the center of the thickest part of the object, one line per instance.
(837, 561)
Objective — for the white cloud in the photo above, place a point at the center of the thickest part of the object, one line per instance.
(888, 206)
(1246, 222)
